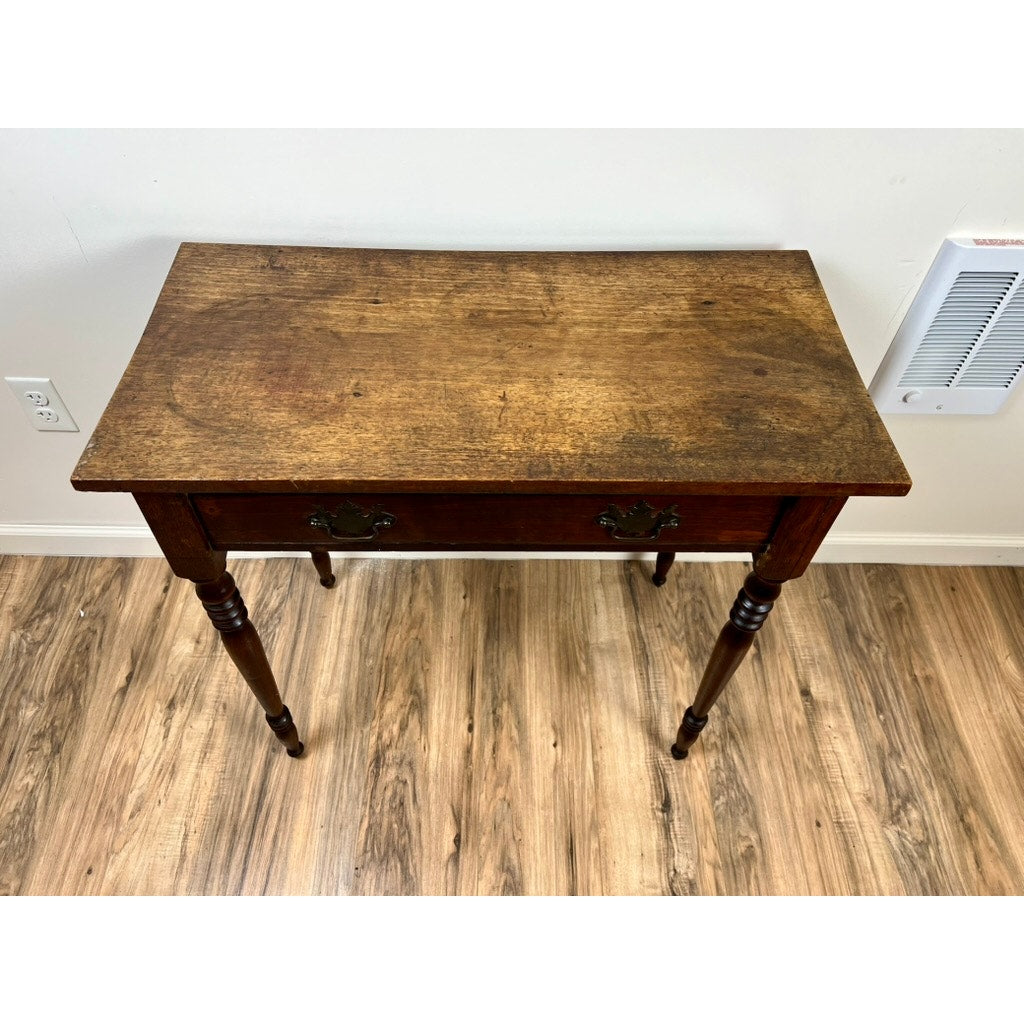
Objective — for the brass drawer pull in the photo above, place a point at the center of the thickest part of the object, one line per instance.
(350, 522)
(641, 522)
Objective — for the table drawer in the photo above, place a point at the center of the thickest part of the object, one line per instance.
(482, 521)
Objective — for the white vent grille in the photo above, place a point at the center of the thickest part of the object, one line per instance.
(961, 347)
(1000, 358)
(959, 323)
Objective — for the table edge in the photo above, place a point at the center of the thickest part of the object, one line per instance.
(782, 488)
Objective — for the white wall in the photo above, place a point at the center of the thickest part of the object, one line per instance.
(90, 220)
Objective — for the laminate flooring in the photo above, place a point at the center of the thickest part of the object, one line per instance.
(482, 726)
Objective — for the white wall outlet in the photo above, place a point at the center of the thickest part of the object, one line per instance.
(42, 405)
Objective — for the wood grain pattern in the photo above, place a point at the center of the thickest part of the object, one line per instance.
(491, 372)
(490, 726)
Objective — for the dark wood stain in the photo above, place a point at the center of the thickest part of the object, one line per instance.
(491, 372)
(481, 521)
(551, 343)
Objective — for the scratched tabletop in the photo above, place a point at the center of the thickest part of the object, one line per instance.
(312, 369)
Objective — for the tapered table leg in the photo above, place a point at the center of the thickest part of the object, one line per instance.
(224, 605)
(662, 566)
(751, 608)
(322, 563)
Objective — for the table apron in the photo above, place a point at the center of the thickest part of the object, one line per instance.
(487, 521)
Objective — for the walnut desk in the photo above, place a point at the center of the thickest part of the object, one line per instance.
(320, 400)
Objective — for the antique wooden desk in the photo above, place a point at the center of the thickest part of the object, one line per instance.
(344, 399)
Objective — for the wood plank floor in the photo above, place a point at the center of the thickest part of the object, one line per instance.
(503, 727)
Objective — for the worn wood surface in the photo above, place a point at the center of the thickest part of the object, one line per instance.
(492, 726)
(270, 368)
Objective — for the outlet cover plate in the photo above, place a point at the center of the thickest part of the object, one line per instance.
(42, 405)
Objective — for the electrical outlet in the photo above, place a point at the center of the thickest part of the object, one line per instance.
(43, 406)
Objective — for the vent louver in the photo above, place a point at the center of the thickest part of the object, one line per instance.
(961, 347)
(959, 323)
(999, 360)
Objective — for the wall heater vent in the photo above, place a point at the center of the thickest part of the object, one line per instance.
(960, 348)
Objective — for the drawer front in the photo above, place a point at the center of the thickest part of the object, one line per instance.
(487, 521)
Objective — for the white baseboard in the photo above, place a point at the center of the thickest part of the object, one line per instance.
(896, 548)
(922, 549)
(83, 541)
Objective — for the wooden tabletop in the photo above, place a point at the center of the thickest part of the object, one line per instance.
(267, 368)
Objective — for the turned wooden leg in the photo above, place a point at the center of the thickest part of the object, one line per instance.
(224, 605)
(322, 562)
(751, 608)
(662, 566)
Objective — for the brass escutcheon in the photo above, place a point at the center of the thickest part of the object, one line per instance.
(349, 522)
(641, 522)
